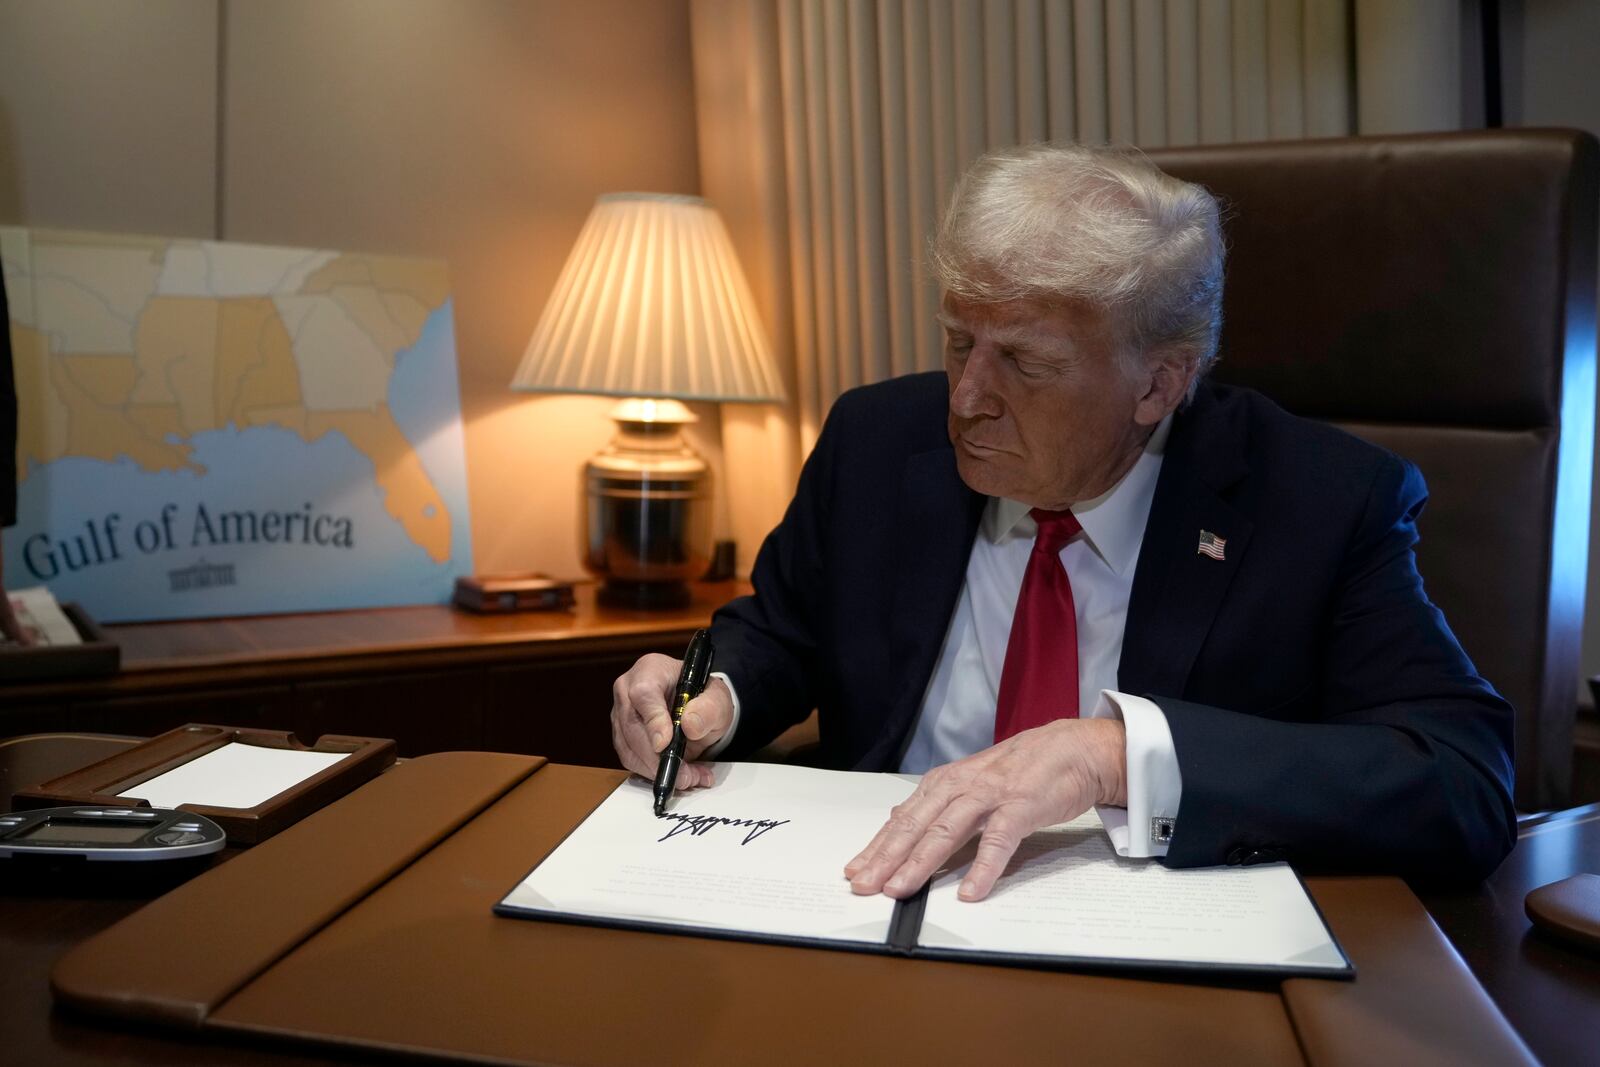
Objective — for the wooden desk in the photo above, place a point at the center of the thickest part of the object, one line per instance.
(1547, 991)
(432, 678)
(438, 986)
(35, 929)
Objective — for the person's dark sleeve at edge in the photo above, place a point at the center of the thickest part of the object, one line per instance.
(8, 419)
(9, 628)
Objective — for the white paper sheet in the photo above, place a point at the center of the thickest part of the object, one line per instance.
(762, 851)
(38, 613)
(1067, 893)
(233, 776)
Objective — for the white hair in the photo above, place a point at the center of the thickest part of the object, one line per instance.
(1102, 226)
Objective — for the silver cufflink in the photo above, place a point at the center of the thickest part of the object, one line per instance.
(1161, 830)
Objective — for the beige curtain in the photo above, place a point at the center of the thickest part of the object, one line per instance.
(831, 132)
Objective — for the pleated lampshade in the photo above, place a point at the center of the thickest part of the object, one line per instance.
(651, 303)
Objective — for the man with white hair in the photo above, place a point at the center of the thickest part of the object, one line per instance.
(1069, 572)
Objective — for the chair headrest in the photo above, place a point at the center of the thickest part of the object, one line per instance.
(1438, 278)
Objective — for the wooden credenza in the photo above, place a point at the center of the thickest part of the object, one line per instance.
(432, 678)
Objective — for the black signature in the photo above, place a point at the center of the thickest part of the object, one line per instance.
(698, 825)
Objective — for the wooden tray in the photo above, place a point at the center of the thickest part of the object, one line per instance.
(97, 657)
(99, 783)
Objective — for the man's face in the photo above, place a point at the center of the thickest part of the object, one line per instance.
(1042, 410)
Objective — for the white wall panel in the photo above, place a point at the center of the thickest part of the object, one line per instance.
(1215, 47)
(1250, 79)
(1060, 67)
(1285, 93)
(1183, 72)
(108, 115)
(1409, 59)
(1122, 108)
(1089, 56)
(1033, 116)
(1329, 68)
(1150, 72)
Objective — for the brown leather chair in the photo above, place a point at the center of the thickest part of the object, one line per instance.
(1435, 294)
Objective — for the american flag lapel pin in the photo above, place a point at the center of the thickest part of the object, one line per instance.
(1212, 545)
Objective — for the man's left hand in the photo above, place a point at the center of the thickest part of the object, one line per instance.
(1037, 778)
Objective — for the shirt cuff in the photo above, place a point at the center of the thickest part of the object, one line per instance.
(1155, 784)
(733, 724)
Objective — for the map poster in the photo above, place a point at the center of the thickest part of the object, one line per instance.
(211, 429)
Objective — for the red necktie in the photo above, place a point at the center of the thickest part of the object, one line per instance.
(1039, 682)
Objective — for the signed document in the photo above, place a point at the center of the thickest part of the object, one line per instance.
(761, 852)
(760, 855)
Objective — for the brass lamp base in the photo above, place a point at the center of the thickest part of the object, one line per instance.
(647, 509)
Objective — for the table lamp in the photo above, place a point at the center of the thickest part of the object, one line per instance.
(651, 307)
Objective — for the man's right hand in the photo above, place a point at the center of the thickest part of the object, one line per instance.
(641, 721)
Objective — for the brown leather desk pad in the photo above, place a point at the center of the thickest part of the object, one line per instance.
(369, 924)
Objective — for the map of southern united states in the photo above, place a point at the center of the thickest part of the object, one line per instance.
(128, 347)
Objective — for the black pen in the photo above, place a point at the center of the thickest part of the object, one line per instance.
(691, 680)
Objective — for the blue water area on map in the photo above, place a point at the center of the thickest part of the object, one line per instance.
(425, 400)
(177, 570)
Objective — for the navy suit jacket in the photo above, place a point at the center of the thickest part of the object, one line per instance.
(1320, 708)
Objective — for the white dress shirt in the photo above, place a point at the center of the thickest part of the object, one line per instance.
(958, 708)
